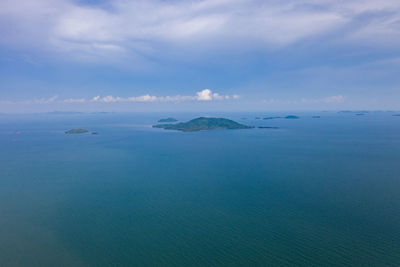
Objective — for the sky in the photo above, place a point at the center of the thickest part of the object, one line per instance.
(199, 55)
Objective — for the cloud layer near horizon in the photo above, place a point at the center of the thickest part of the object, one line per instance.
(204, 95)
(141, 28)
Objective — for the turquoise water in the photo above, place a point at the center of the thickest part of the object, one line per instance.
(314, 192)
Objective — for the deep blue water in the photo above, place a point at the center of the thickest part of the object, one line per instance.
(314, 192)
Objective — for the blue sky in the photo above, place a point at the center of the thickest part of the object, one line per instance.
(200, 55)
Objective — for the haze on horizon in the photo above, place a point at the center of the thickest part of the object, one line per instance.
(201, 55)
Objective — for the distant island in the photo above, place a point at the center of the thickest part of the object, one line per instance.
(396, 115)
(203, 123)
(292, 117)
(316, 117)
(57, 112)
(271, 118)
(168, 120)
(267, 127)
(76, 131)
(277, 117)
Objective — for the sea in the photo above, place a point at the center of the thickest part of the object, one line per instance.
(317, 191)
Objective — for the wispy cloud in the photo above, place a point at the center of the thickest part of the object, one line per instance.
(141, 27)
(330, 99)
(336, 99)
(32, 101)
(74, 100)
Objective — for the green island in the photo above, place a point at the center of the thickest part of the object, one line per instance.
(203, 123)
(168, 120)
(76, 131)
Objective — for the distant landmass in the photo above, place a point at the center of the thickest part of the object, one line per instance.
(267, 127)
(316, 117)
(76, 131)
(57, 112)
(396, 115)
(292, 117)
(168, 120)
(277, 117)
(203, 123)
(271, 118)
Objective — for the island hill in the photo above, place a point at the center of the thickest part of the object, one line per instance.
(168, 120)
(203, 123)
(77, 131)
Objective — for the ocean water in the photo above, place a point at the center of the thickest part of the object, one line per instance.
(315, 192)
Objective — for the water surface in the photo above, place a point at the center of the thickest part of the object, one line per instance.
(316, 191)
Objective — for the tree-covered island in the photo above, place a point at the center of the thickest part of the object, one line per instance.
(203, 123)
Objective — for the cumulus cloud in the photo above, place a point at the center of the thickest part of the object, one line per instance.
(139, 27)
(205, 95)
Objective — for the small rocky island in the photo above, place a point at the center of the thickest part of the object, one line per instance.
(203, 123)
(76, 131)
(168, 120)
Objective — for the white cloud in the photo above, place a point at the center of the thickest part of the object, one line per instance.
(42, 100)
(334, 99)
(74, 100)
(205, 95)
(330, 99)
